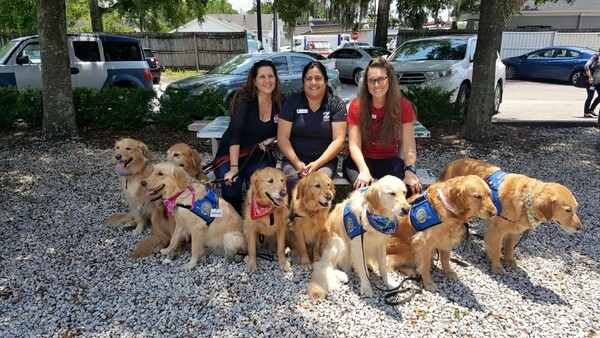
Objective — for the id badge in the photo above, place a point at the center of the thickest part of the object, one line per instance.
(216, 212)
(301, 111)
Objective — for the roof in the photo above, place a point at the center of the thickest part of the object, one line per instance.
(562, 6)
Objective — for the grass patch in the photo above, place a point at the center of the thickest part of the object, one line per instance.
(180, 74)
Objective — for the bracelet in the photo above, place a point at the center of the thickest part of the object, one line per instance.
(233, 165)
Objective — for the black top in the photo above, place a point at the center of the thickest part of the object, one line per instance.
(246, 128)
(311, 131)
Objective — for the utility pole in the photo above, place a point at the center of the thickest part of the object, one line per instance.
(275, 33)
(259, 23)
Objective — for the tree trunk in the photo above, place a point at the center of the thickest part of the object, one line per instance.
(57, 92)
(381, 29)
(96, 17)
(481, 105)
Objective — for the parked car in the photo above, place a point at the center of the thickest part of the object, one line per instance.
(561, 63)
(351, 61)
(444, 61)
(153, 64)
(226, 78)
(329, 63)
(354, 44)
(97, 61)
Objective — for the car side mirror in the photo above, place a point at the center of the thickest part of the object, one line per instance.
(23, 59)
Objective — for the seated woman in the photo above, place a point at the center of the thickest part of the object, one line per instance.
(312, 127)
(254, 114)
(378, 120)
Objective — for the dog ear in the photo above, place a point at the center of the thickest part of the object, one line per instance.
(300, 186)
(182, 178)
(196, 160)
(146, 152)
(254, 184)
(372, 198)
(545, 204)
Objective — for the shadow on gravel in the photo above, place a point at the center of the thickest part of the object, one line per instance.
(518, 280)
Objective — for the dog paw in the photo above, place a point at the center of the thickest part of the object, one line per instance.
(391, 283)
(190, 265)
(366, 290)
(165, 251)
(341, 276)
(251, 266)
(285, 265)
(306, 264)
(451, 274)
(511, 263)
(498, 270)
(138, 231)
(431, 287)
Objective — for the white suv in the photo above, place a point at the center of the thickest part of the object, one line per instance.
(444, 61)
(97, 61)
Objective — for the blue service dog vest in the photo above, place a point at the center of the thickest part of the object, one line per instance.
(494, 181)
(380, 223)
(203, 207)
(422, 214)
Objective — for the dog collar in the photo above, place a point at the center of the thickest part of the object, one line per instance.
(531, 213)
(422, 213)
(494, 181)
(258, 210)
(445, 202)
(383, 224)
(171, 202)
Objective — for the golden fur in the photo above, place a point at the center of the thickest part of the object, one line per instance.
(267, 187)
(385, 197)
(548, 201)
(311, 202)
(187, 158)
(224, 234)
(133, 160)
(409, 249)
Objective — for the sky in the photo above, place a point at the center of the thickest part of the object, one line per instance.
(244, 5)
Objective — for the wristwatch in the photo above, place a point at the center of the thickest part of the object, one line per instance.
(411, 168)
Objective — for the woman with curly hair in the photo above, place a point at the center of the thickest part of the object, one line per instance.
(381, 138)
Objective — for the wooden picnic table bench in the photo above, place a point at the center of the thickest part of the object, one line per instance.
(215, 129)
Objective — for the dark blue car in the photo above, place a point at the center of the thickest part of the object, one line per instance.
(560, 63)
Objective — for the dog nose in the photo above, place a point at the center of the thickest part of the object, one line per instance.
(329, 197)
(118, 157)
(492, 213)
(405, 210)
(144, 183)
(283, 193)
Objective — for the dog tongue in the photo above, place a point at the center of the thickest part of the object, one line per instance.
(120, 168)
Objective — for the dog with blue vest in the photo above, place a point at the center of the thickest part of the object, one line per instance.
(436, 222)
(209, 221)
(523, 203)
(361, 226)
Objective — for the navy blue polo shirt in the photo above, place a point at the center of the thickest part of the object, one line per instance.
(311, 132)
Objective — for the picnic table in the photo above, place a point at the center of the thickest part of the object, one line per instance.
(215, 129)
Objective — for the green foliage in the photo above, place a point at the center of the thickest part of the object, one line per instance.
(266, 7)
(18, 17)
(23, 104)
(433, 105)
(178, 109)
(8, 111)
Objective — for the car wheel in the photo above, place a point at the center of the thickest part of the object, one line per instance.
(156, 80)
(575, 76)
(497, 97)
(463, 93)
(357, 76)
(511, 73)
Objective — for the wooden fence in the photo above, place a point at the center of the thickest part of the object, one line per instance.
(192, 50)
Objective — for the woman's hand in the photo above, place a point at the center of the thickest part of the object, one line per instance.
(590, 79)
(231, 176)
(309, 168)
(364, 179)
(412, 181)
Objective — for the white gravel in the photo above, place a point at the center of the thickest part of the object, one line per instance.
(64, 273)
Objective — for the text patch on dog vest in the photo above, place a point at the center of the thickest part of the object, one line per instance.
(494, 181)
(422, 214)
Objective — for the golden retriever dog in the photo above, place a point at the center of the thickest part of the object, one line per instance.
(187, 158)
(133, 165)
(266, 213)
(189, 202)
(355, 242)
(455, 202)
(525, 203)
(311, 202)
(163, 225)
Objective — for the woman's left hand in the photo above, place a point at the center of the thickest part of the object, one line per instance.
(412, 181)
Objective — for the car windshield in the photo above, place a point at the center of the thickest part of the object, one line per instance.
(237, 65)
(4, 52)
(447, 49)
(375, 52)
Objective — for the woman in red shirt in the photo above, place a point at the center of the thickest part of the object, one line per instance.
(380, 120)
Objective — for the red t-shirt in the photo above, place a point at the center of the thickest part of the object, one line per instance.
(377, 150)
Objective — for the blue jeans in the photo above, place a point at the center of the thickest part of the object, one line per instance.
(233, 193)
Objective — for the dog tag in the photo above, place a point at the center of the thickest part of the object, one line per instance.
(216, 212)
(301, 111)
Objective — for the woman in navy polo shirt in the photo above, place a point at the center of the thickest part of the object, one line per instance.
(379, 120)
(312, 127)
(254, 114)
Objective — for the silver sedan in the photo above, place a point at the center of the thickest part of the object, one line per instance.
(351, 61)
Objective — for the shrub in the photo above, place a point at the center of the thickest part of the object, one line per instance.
(178, 109)
(29, 107)
(8, 109)
(434, 106)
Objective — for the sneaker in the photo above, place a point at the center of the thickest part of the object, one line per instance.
(593, 114)
(589, 115)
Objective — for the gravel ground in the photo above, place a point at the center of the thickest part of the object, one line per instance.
(64, 273)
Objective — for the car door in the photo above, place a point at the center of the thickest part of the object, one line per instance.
(29, 74)
(536, 64)
(87, 67)
(343, 63)
(297, 66)
(562, 64)
(355, 61)
(283, 73)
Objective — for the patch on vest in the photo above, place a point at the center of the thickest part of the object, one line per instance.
(351, 223)
(494, 181)
(202, 208)
(422, 214)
